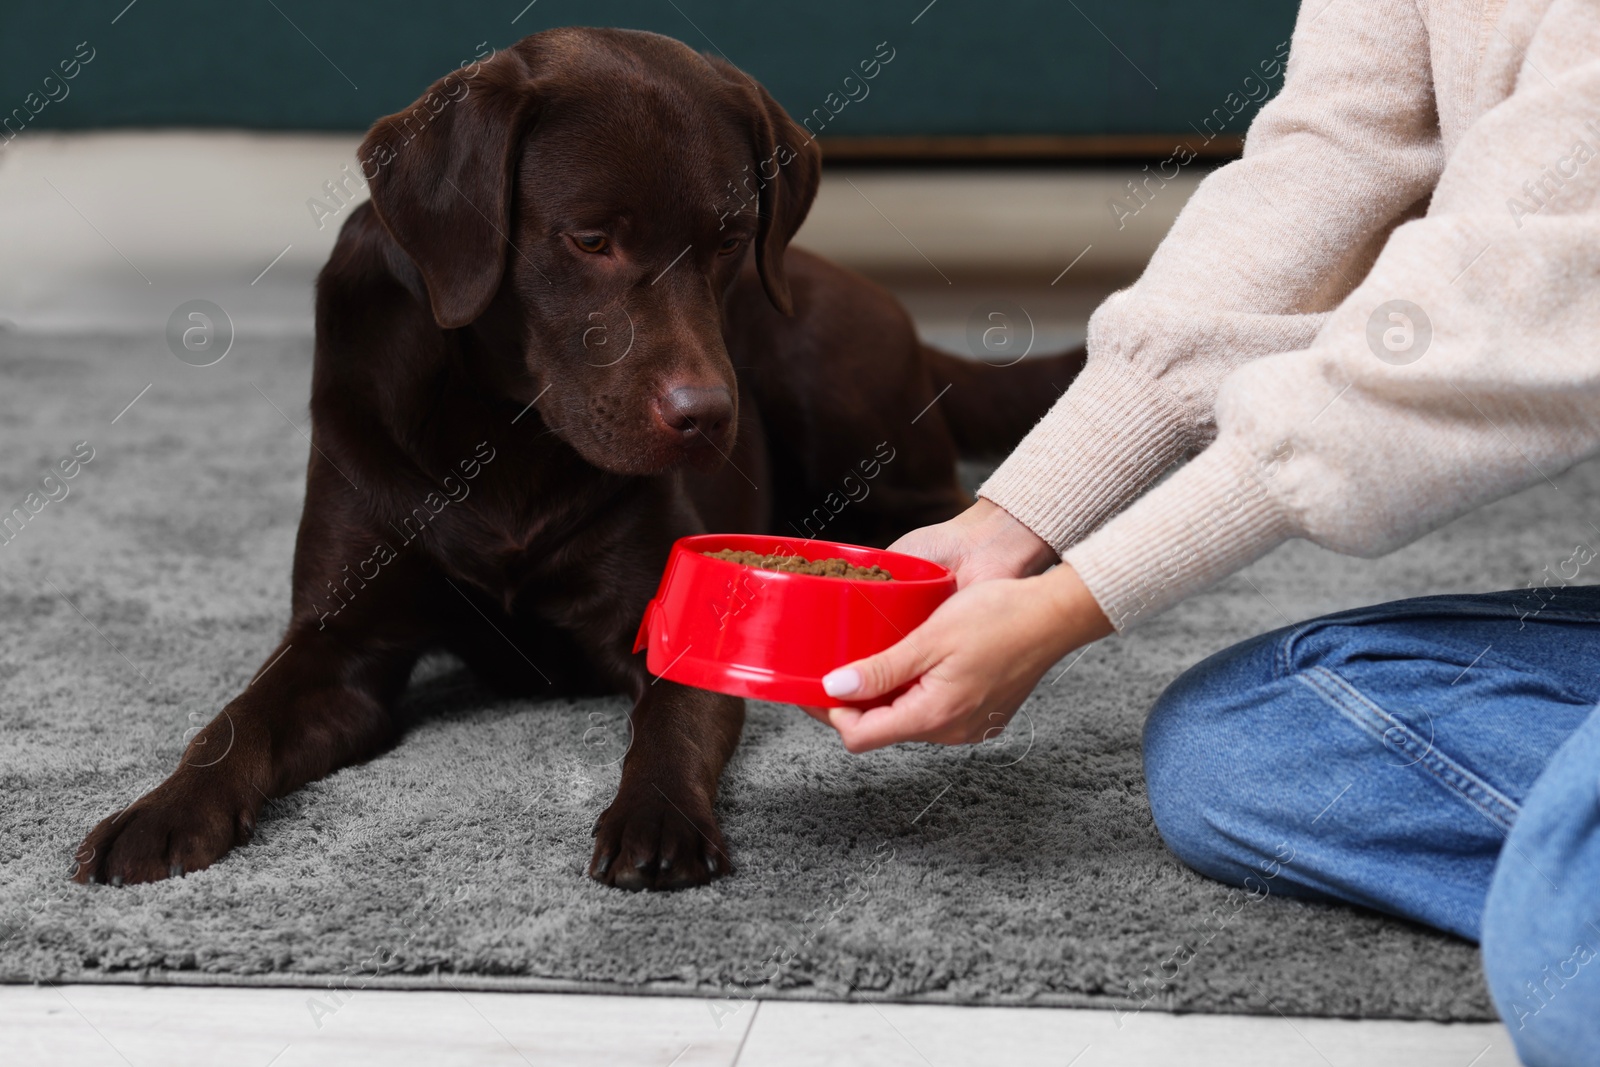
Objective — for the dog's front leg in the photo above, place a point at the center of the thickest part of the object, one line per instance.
(320, 702)
(660, 831)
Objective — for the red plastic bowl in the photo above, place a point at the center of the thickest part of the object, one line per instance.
(771, 635)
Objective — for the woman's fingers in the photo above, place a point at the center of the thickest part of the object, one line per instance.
(980, 544)
(933, 705)
(938, 543)
(914, 716)
(876, 675)
(969, 667)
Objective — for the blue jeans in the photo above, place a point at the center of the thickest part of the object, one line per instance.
(1437, 759)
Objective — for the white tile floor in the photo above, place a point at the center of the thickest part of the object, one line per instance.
(87, 1026)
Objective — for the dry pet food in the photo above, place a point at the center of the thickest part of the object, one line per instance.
(825, 568)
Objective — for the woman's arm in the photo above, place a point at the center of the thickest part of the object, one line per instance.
(1385, 428)
(1262, 251)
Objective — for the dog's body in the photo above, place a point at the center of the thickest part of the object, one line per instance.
(544, 353)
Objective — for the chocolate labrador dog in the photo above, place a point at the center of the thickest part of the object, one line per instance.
(567, 330)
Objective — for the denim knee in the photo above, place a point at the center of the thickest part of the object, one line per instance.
(1199, 737)
(1544, 975)
(1378, 757)
(1541, 925)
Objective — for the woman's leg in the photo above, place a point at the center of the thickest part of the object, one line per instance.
(1379, 756)
(1541, 926)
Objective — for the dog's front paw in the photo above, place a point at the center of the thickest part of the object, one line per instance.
(648, 839)
(176, 828)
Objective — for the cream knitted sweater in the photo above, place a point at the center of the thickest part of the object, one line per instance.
(1443, 153)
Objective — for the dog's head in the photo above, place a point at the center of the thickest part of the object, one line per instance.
(604, 187)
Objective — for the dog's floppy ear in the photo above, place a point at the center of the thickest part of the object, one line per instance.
(440, 173)
(787, 170)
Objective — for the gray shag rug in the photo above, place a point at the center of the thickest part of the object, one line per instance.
(1029, 873)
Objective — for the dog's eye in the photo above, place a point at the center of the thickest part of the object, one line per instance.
(730, 246)
(591, 242)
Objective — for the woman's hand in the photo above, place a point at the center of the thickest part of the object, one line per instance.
(981, 543)
(974, 662)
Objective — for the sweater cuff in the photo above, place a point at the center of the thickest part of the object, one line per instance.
(1213, 517)
(1113, 433)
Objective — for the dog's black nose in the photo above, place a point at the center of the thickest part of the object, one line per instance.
(697, 410)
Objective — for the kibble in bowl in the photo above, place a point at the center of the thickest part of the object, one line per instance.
(833, 567)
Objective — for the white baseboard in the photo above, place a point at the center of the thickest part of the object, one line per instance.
(114, 230)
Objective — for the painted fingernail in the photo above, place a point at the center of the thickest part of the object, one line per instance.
(842, 682)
